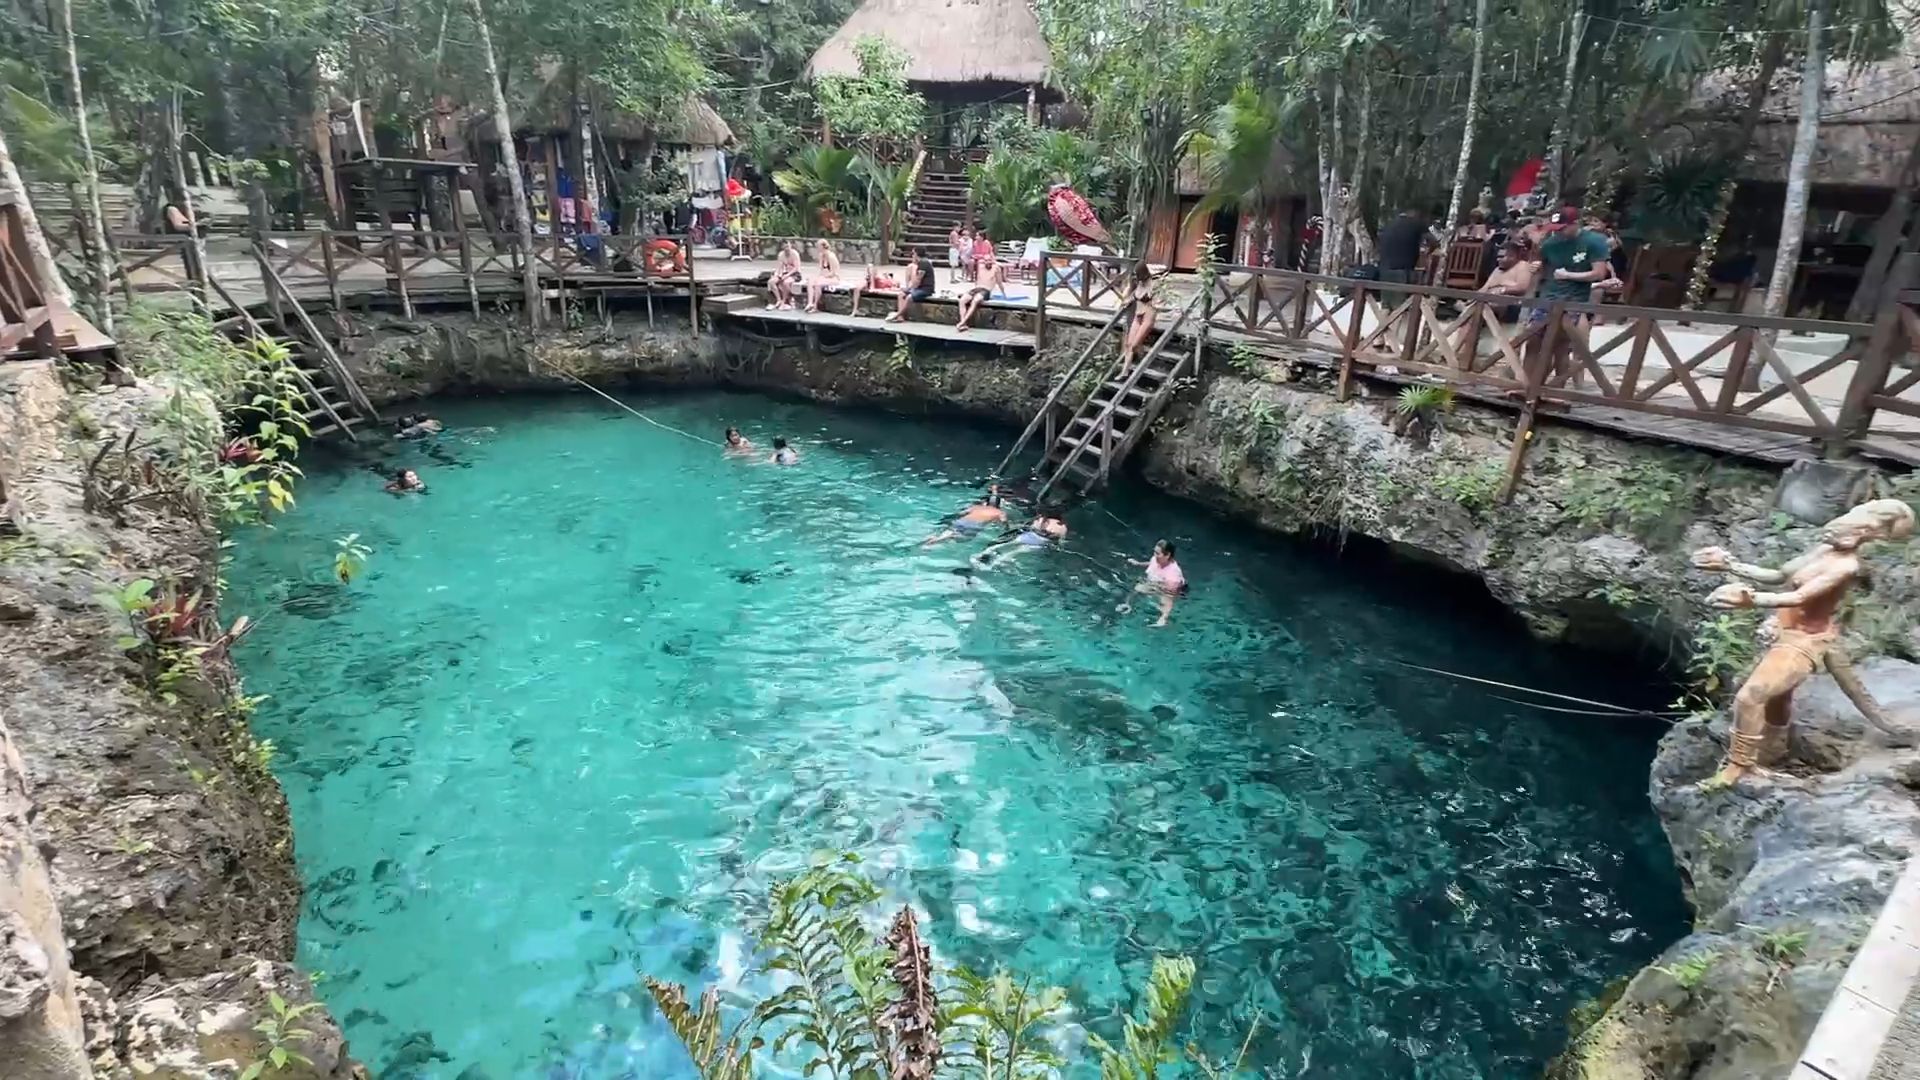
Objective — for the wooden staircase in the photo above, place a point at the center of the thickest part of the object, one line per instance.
(338, 405)
(938, 206)
(1104, 429)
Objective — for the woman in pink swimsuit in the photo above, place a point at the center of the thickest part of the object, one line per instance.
(1164, 580)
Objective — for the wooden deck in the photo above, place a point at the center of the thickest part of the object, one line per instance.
(1009, 339)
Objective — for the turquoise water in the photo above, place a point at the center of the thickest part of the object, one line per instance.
(600, 686)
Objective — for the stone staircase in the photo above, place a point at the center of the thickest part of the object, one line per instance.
(939, 204)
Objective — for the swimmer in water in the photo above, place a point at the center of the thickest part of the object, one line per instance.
(973, 520)
(405, 482)
(784, 454)
(416, 426)
(737, 443)
(1165, 581)
(1046, 529)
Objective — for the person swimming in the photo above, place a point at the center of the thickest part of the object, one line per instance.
(416, 426)
(737, 443)
(405, 482)
(973, 520)
(784, 454)
(1165, 580)
(1046, 529)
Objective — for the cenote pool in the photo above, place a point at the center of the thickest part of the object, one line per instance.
(600, 687)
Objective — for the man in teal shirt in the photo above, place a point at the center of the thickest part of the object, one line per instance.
(1574, 259)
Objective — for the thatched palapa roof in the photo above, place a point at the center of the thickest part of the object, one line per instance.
(955, 48)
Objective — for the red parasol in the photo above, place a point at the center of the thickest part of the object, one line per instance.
(1073, 216)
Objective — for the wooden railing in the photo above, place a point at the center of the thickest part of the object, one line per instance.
(1602, 362)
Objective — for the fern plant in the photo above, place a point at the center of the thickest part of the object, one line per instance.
(1147, 1042)
(841, 984)
(994, 1031)
(699, 1031)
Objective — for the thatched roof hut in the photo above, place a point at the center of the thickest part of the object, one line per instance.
(968, 50)
(1869, 118)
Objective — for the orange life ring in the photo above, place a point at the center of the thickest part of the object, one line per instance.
(665, 257)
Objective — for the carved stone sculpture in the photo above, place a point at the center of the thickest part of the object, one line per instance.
(1803, 632)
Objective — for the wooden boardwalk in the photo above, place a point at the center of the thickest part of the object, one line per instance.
(909, 327)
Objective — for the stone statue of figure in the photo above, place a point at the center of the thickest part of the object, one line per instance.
(1803, 632)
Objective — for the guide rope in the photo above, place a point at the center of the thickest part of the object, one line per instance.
(1610, 708)
(669, 427)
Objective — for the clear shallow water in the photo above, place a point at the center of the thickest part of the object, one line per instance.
(600, 686)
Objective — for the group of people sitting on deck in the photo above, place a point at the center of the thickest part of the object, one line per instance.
(790, 283)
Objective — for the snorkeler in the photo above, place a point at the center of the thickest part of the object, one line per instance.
(405, 482)
(737, 443)
(1046, 529)
(416, 425)
(973, 520)
(1165, 581)
(784, 454)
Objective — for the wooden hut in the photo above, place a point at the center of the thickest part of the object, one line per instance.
(958, 51)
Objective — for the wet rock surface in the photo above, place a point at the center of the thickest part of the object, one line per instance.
(170, 853)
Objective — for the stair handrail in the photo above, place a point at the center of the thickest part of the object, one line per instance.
(334, 364)
(1139, 367)
(260, 334)
(1060, 387)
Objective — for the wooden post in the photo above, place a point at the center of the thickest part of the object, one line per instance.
(1352, 344)
(1536, 377)
(1106, 443)
(332, 272)
(1870, 371)
(1040, 310)
(466, 269)
(1033, 104)
(693, 293)
(560, 274)
(397, 266)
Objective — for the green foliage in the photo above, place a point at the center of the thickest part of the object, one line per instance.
(1148, 1041)
(1424, 401)
(716, 1057)
(776, 218)
(997, 1026)
(899, 360)
(1689, 971)
(889, 187)
(818, 178)
(1783, 946)
(1244, 360)
(1241, 154)
(840, 988)
(349, 558)
(1639, 498)
(1475, 487)
(876, 103)
(1725, 644)
(280, 1032)
(1678, 194)
(1010, 194)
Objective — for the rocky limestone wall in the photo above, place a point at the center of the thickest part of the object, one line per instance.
(1785, 873)
(166, 838)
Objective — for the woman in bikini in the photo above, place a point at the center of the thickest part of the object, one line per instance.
(1146, 310)
(827, 276)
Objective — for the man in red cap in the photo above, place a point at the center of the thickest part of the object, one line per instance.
(1574, 258)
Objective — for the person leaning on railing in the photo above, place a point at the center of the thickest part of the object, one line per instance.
(1575, 258)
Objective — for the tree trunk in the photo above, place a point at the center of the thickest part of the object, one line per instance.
(1770, 57)
(52, 286)
(1356, 204)
(503, 124)
(1336, 181)
(1473, 115)
(1563, 116)
(174, 133)
(1888, 232)
(93, 224)
(1793, 219)
(1321, 262)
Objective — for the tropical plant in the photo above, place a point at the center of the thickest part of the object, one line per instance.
(818, 178)
(997, 1025)
(349, 557)
(280, 1031)
(1148, 1042)
(876, 103)
(1010, 192)
(1676, 198)
(1418, 410)
(1243, 159)
(889, 185)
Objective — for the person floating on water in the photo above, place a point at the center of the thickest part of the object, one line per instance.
(973, 520)
(737, 443)
(784, 454)
(1046, 529)
(417, 426)
(405, 482)
(1165, 581)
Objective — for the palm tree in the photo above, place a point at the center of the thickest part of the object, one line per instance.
(818, 177)
(1243, 158)
(890, 185)
(503, 123)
